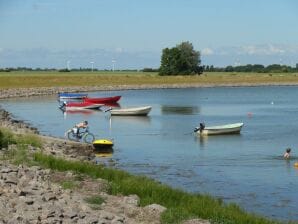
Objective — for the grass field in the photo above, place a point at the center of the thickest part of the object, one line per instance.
(63, 79)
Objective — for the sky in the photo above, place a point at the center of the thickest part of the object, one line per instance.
(130, 34)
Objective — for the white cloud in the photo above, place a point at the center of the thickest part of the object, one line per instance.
(266, 49)
(119, 49)
(207, 51)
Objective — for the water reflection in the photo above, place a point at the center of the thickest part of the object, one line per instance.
(204, 140)
(104, 152)
(80, 112)
(201, 140)
(114, 105)
(143, 120)
(183, 110)
(104, 157)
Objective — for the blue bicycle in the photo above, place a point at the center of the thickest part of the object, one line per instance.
(75, 134)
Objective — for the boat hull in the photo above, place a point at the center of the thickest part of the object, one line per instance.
(136, 111)
(80, 106)
(222, 129)
(104, 100)
(72, 96)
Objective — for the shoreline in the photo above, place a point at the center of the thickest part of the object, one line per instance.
(40, 195)
(43, 91)
(52, 202)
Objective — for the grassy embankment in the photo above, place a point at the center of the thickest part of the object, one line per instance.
(181, 205)
(63, 79)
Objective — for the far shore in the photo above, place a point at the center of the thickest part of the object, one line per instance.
(43, 91)
(34, 83)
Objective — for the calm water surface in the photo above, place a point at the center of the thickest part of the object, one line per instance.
(247, 169)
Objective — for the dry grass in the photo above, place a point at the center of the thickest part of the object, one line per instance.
(59, 79)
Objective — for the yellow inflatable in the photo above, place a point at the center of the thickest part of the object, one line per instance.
(102, 144)
(296, 164)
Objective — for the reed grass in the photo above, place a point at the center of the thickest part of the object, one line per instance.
(19, 153)
(7, 137)
(180, 205)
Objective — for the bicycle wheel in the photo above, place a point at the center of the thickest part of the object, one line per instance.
(71, 136)
(88, 138)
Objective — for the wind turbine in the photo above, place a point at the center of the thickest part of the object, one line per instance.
(92, 62)
(113, 64)
(67, 65)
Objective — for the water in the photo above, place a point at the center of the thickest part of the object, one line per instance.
(247, 169)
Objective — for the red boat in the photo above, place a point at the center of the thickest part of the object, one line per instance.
(80, 105)
(102, 100)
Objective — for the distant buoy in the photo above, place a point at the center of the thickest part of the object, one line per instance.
(296, 164)
(249, 114)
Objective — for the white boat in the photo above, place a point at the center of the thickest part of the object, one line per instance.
(72, 106)
(133, 111)
(219, 129)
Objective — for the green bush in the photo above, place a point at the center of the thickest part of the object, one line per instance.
(6, 138)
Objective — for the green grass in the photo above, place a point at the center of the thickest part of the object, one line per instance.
(96, 200)
(19, 153)
(34, 79)
(181, 205)
(68, 185)
(7, 138)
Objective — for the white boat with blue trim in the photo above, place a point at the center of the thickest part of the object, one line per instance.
(234, 128)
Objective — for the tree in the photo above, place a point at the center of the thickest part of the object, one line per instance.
(180, 60)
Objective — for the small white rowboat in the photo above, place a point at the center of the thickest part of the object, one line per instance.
(220, 129)
(133, 111)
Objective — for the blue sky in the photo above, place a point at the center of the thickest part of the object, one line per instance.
(48, 33)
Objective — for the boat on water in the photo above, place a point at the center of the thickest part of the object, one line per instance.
(103, 100)
(102, 144)
(72, 95)
(234, 128)
(67, 106)
(133, 111)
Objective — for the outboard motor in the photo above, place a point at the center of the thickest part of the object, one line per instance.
(201, 128)
(62, 105)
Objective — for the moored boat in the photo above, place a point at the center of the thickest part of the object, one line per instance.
(79, 105)
(234, 128)
(133, 111)
(104, 100)
(72, 95)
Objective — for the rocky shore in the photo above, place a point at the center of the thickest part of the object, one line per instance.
(30, 195)
(35, 195)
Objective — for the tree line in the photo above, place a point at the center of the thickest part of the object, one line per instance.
(183, 59)
(11, 69)
(256, 68)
